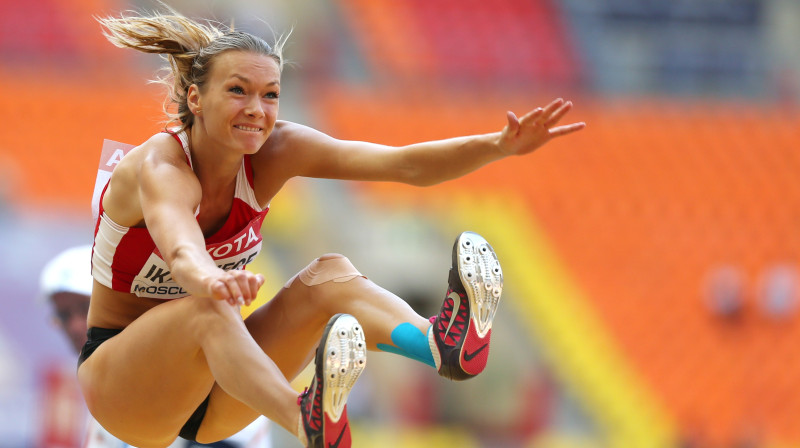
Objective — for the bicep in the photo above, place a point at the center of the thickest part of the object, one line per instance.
(318, 155)
(169, 195)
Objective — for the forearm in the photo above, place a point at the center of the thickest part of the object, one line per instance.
(438, 161)
(191, 267)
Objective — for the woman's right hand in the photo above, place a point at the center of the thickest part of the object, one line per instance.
(237, 287)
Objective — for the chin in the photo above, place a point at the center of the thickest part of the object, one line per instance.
(251, 145)
(252, 149)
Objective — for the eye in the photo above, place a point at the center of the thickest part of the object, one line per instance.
(272, 95)
(237, 90)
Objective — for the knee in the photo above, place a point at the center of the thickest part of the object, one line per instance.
(332, 256)
(208, 314)
(327, 268)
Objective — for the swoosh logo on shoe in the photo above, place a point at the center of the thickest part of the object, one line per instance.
(338, 440)
(456, 305)
(468, 356)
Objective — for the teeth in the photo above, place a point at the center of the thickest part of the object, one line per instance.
(247, 128)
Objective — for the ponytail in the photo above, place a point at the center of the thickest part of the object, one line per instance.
(188, 46)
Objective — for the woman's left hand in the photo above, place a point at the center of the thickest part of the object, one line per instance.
(537, 127)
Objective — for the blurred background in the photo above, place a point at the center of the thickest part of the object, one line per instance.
(651, 260)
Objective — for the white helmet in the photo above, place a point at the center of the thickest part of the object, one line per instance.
(69, 271)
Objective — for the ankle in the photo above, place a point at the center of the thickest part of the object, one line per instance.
(412, 342)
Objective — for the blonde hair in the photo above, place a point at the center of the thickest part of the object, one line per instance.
(189, 47)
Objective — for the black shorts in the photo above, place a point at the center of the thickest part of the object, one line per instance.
(97, 336)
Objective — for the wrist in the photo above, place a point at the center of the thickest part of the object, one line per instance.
(499, 147)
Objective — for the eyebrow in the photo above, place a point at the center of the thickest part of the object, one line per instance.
(247, 80)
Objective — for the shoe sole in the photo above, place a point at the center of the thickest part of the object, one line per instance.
(340, 361)
(482, 278)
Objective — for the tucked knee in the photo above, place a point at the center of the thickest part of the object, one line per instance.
(327, 268)
(332, 256)
(207, 312)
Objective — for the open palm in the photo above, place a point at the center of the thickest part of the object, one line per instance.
(537, 127)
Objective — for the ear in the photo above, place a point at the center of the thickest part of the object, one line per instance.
(193, 99)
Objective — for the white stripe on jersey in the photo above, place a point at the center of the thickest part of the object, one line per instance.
(109, 234)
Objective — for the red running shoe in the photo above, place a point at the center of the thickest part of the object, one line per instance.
(462, 330)
(341, 357)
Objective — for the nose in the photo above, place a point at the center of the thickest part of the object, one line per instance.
(254, 108)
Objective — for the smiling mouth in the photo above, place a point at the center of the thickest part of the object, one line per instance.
(247, 128)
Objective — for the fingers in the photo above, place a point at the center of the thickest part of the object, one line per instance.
(567, 129)
(238, 287)
(552, 108)
(532, 116)
(550, 115)
(255, 283)
(542, 115)
(219, 291)
(513, 123)
(558, 114)
(232, 281)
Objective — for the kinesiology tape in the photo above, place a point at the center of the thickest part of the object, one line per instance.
(336, 269)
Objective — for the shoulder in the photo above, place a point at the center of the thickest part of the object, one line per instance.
(287, 148)
(149, 166)
(163, 170)
(294, 150)
(163, 148)
(293, 142)
(163, 156)
(160, 159)
(290, 135)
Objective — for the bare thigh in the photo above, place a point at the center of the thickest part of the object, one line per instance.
(143, 384)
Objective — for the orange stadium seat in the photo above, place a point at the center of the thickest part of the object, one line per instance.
(57, 167)
(643, 206)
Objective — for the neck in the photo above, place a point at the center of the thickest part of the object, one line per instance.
(213, 164)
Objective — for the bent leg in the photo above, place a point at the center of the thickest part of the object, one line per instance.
(333, 284)
(144, 383)
(288, 328)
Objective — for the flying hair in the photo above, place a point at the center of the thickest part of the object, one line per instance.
(188, 46)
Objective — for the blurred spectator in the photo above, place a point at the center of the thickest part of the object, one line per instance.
(725, 292)
(66, 285)
(778, 291)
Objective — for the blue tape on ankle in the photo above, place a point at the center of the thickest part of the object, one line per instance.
(410, 342)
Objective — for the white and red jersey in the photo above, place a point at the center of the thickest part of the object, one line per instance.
(126, 258)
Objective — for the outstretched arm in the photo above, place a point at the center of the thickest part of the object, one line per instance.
(314, 154)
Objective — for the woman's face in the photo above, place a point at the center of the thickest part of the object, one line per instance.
(239, 103)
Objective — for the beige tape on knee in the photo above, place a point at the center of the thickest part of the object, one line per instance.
(335, 269)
